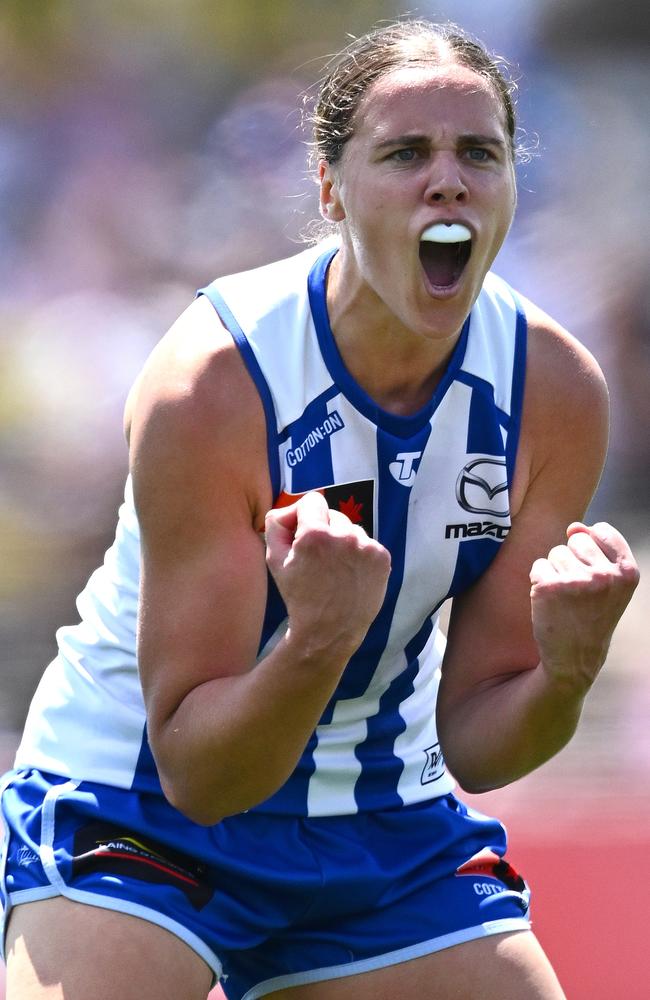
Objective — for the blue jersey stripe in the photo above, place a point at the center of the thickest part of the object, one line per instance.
(315, 468)
(383, 729)
(518, 383)
(324, 398)
(484, 429)
(474, 557)
(392, 522)
(255, 373)
(392, 525)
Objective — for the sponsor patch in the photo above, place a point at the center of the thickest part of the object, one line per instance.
(404, 468)
(332, 423)
(112, 850)
(477, 529)
(488, 864)
(482, 486)
(355, 500)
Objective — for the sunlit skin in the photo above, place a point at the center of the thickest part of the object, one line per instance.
(430, 145)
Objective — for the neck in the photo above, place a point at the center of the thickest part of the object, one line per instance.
(398, 368)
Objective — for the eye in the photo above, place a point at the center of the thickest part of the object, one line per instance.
(405, 155)
(478, 154)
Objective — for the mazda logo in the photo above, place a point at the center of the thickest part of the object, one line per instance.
(482, 487)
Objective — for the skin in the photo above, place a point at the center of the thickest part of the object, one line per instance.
(198, 458)
(414, 160)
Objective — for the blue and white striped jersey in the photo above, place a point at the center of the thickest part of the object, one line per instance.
(432, 487)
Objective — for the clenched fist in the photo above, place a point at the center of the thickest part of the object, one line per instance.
(331, 575)
(579, 592)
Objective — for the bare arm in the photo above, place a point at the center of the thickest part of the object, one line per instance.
(199, 465)
(520, 659)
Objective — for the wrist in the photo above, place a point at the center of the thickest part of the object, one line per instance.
(311, 648)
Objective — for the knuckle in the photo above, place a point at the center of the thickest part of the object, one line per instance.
(600, 579)
(602, 527)
(312, 538)
(629, 572)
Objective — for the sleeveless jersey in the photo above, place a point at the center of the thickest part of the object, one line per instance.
(432, 487)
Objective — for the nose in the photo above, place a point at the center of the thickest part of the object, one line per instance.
(445, 182)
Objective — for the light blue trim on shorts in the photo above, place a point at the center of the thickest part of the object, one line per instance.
(389, 958)
(59, 887)
(4, 850)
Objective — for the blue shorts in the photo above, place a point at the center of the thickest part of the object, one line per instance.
(268, 902)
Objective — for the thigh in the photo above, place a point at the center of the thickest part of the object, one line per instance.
(501, 967)
(59, 949)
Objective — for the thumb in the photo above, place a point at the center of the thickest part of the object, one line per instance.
(284, 524)
(279, 531)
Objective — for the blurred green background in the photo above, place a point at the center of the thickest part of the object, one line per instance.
(147, 146)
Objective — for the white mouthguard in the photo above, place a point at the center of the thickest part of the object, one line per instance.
(446, 232)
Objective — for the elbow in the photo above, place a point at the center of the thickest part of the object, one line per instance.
(195, 807)
(477, 774)
(471, 772)
(476, 784)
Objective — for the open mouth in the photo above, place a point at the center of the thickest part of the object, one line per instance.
(444, 252)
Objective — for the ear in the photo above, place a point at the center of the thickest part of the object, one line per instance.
(331, 206)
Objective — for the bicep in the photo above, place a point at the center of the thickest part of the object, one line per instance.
(564, 441)
(200, 476)
(201, 610)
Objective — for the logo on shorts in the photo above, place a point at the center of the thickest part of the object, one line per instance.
(25, 856)
(435, 765)
(103, 849)
(488, 864)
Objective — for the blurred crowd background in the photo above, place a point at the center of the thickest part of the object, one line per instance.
(147, 146)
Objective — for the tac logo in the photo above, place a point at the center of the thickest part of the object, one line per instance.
(403, 469)
(435, 765)
(482, 487)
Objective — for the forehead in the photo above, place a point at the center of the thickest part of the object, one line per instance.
(427, 99)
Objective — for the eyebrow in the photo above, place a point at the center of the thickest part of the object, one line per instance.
(415, 139)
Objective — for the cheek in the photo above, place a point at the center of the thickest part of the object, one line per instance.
(504, 201)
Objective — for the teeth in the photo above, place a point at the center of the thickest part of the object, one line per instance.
(446, 232)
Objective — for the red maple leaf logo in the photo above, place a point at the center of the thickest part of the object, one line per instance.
(352, 509)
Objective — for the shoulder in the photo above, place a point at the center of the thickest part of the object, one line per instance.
(563, 377)
(193, 372)
(194, 410)
(565, 420)
(265, 294)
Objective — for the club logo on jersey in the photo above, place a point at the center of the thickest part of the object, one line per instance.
(111, 850)
(404, 469)
(332, 423)
(435, 765)
(355, 500)
(482, 487)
